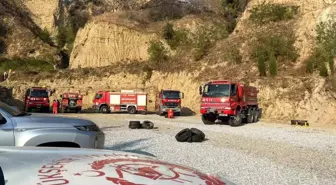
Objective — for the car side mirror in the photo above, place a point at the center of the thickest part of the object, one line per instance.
(61, 96)
(200, 90)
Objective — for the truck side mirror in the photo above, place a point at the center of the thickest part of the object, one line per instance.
(200, 90)
(182, 95)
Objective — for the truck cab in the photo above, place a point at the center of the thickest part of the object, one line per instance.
(230, 101)
(169, 99)
(37, 98)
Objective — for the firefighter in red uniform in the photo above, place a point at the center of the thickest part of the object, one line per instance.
(55, 107)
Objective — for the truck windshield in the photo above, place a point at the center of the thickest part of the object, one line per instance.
(39, 93)
(216, 90)
(98, 96)
(171, 94)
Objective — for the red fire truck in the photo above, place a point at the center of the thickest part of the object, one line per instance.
(126, 101)
(169, 99)
(37, 98)
(71, 101)
(229, 101)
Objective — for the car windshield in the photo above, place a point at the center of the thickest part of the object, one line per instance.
(39, 93)
(172, 95)
(98, 96)
(12, 111)
(216, 90)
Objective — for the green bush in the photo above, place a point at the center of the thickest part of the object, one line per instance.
(65, 35)
(3, 29)
(3, 46)
(273, 69)
(157, 53)
(24, 64)
(205, 38)
(266, 12)
(174, 38)
(278, 45)
(45, 35)
(230, 7)
(324, 51)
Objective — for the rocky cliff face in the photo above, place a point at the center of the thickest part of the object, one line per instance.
(44, 13)
(102, 43)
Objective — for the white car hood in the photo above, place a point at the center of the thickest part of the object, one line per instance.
(58, 166)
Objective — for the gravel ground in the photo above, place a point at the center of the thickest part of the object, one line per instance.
(261, 154)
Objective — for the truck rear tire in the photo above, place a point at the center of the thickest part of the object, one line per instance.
(131, 110)
(255, 116)
(249, 116)
(104, 109)
(208, 119)
(236, 120)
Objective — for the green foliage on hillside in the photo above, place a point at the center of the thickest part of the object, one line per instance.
(267, 12)
(45, 35)
(3, 33)
(323, 54)
(269, 48)
(25, 64)
(175, 38)
(157, 53)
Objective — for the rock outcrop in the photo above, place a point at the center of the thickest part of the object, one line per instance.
(102, 43)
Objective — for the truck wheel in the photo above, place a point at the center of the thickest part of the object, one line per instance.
(104, 109)
(131, 110)
(79, 110)
(249, 118)
(255, 116)
(177, 113)
(236, 120)
(208, 119)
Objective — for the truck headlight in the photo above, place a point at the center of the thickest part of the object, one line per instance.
(88, 128)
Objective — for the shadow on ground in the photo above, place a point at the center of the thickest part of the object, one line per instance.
(130, 144)
(185, 111)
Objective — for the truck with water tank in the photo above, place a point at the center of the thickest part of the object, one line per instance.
(229, 101)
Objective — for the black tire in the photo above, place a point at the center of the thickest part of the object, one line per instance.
(79, 110)
(249, 118)
(184, 135)
(134, 125)
(196, 138)
(104, 109)
(177, 113)
(131, 110)
(208, 119)
(197, 132)
(147, 125)
(255, 116)
(236, 120)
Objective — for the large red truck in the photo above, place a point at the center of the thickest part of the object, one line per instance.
(169, 99)
(230, 101)
(37, 98)
(126, 101)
